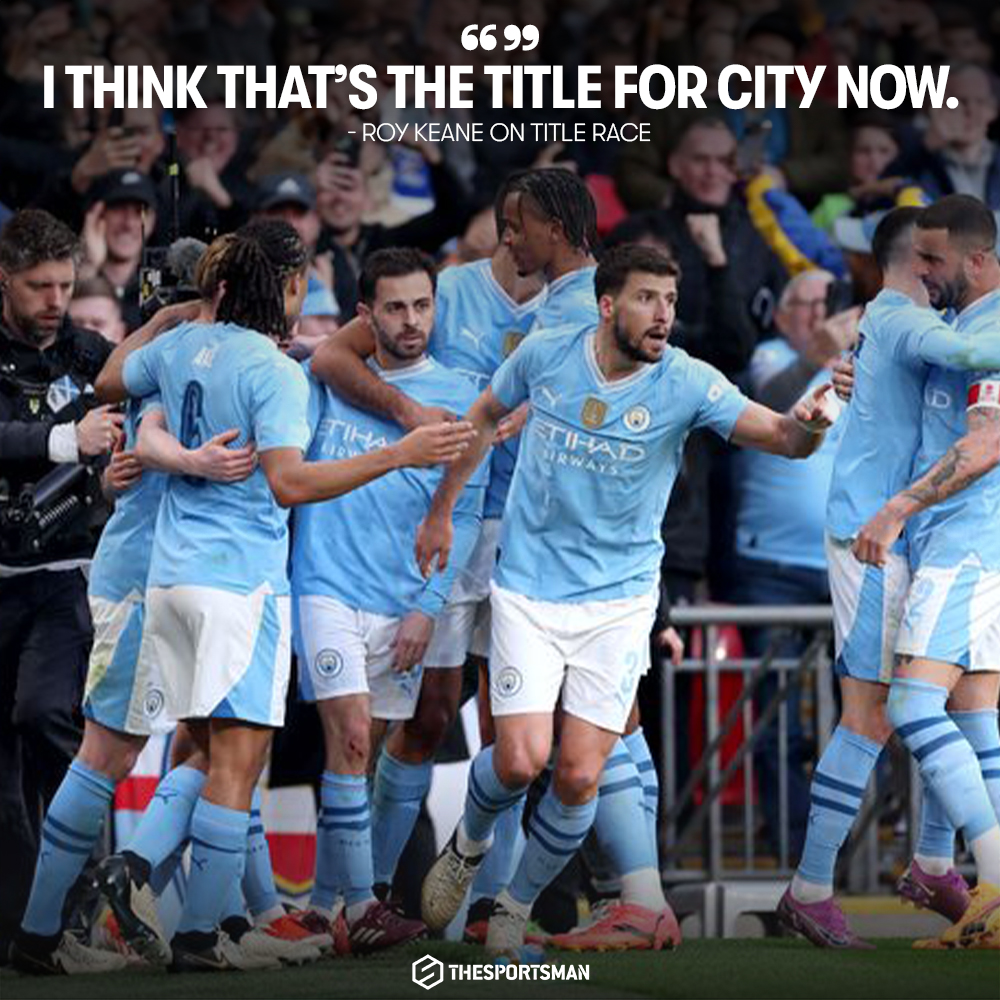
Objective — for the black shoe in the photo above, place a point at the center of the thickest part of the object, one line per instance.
(123, 882)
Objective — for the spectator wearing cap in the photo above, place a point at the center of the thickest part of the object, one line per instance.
(292, 198)
(804, 148)
(95, 306)
(120, 219)
(319, 318)
(956, 155)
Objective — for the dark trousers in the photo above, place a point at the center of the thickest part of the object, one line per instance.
(45, 639)
(760, 581)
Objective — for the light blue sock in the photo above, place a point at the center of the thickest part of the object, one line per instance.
(637, 746)
(487, 797)
(937, 835)
(980, 729)
(234, 905)
(344, 838)
(838, 787)
(166, 823)
(622, 837)
(163, 873)
(258, 879)
(218, 856)
(948, 764)
(555, 833)
(398, 790)
(501, 860)
(69, 832)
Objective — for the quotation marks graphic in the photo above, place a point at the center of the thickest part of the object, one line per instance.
(487, 41)
(428, 972)
(339, 73)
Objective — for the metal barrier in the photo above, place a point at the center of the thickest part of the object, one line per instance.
(709, 852)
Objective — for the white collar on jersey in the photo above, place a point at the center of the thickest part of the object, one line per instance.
(396, 374)
(611, 385)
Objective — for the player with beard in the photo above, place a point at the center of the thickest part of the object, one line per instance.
(946, 682)
(366, 616)
(610, 410)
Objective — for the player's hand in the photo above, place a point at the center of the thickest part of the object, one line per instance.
(843, 378)
(410, 643)
(436, 444)
(878, 536)
(98, 431)
(216, 461)
(816, 411)
(669, 639)
(512, 424)
(124, 470)
(420, 416)
(433, 545)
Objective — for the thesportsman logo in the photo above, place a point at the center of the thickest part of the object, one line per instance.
(429, 972)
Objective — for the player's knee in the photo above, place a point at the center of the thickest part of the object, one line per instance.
(872, 722)
(426, 731)
(352, 744)
(576, 782)
(517, 766)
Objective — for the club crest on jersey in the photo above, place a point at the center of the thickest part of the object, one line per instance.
(593, 413)
(637, 419)
(511, 342)
(329, 663)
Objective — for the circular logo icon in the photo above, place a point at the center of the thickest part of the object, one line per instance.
(508, 682)
(637, 419)
(329, 663)
(152, 704)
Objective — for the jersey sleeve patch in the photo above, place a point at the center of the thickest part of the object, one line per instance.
(985, 393)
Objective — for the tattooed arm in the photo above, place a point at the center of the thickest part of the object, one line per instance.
(967, 460)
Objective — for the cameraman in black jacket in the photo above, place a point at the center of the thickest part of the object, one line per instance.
(48, 425)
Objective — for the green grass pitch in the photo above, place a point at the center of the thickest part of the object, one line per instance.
(700, 968)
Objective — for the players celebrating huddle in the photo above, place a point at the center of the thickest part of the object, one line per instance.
(534, 517)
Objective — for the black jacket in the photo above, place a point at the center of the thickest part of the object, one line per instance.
(39, 389)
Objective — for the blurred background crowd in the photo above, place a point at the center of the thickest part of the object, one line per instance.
(767, 211)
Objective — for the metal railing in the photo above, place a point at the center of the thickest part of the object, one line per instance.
(705, 840)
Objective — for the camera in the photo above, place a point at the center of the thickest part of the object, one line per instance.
(167, 275)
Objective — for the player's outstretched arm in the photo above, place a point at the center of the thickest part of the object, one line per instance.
(435, 534)
(295, 481)
(110, 386)
(340, 362)
(157, 448)
(796, 434)
(967, 460)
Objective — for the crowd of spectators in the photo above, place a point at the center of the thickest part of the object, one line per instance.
(746, 200)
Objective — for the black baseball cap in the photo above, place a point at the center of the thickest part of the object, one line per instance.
(285, 189)
(119, 186)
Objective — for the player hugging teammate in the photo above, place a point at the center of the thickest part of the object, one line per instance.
(494, 524)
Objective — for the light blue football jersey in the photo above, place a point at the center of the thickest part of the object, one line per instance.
(781, 508)
(569, 301)
(968, 522)
(212, 378)
(121, 560)
(477, 325)
(898, 343)
(359, 548)
(597, 463)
